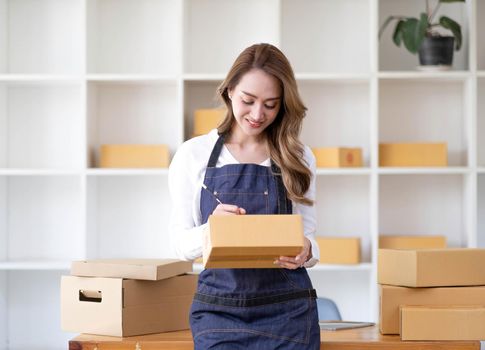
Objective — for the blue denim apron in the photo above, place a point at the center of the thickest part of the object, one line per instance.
(251, 308)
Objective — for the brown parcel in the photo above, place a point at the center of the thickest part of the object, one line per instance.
(251, 241)
(413, 154)
(134, 156)
(120, 307)
(442, 322)
(431, 267)
(140, 269)
(392, 297)
(339, 250)
(411, 242)
(337, 157)
(207, 119)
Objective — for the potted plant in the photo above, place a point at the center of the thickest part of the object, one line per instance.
(420, 35)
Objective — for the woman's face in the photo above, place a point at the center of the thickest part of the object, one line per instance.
(256, 101)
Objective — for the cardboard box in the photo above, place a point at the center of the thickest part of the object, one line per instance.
(391, 297)
(431, 267)
(413, 154)
(207, 119)
(251, 241)
(338, 157)
(442, 323)
(411, 242)
(121, 307)
(134, 156)
(140, 269)
(339, 250)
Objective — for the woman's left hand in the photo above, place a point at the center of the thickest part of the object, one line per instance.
(298, 261)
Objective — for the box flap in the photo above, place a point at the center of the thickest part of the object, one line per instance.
(142, 269)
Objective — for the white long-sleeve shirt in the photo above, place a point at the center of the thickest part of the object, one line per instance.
(185, 177)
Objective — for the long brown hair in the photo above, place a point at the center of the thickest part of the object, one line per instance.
(285, 148)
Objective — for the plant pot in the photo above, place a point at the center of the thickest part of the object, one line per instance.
(436, 51)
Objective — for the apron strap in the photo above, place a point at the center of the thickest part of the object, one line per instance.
(216, 151)
(284, 203)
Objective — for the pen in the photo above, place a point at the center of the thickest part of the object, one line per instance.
(212, 193)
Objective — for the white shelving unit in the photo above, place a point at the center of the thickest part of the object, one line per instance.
(80, 73)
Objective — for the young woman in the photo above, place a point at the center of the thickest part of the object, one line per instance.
(256, 164)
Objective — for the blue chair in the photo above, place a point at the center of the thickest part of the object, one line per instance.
(328, 310)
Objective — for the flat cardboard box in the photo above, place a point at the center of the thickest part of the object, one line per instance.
(207, 119)
(431, 267)
(251, 241)
(121, 307)
(391, 297)
(442, 322)
(413, 154)
(337, 157)
(134, 156)
(339, 250)
(411, 242)
(141, 269)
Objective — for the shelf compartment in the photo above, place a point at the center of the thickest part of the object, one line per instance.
(33, 309)
(480, 34)
(132, 113)
(213, 21)
(481, 211)
(349, 289)
(415, 111)
(41, 37)
(43, 133)
(311, 51)
(198, 95)
(480, 133)
(127, 217)
(41, 218)
(134, 36)
(3, 310)
(337, 123)
(393, 58)
(343, 209)
(424, 204)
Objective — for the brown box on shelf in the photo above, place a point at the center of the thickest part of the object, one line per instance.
(411, 242)
(134, 156)
(431, 267)
(413, 154)
(391, 297)
(140, 269)
(122, 307)
(251, 241)
(337, 157)
(442, 322)
(207, 119)
(339, 250)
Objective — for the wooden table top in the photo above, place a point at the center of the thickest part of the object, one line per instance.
(352, 339)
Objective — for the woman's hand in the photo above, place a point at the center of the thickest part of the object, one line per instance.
(228, 209)
(298, 261)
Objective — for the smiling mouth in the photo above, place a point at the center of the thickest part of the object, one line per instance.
(254, 124)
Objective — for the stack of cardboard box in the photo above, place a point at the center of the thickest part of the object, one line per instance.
(432, 294)
(127, 297)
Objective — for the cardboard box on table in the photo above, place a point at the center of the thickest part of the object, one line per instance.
(431, 267)
(251, 241)
(207, 119)
(337, 157)
(117, 306)
(413, 154)
(339, 250)
(442, 322)
(134, 156)
(411, 242)
(392, 297)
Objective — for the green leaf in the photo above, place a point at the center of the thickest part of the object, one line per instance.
(455, 28)
(397, 35)
(413, 32)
